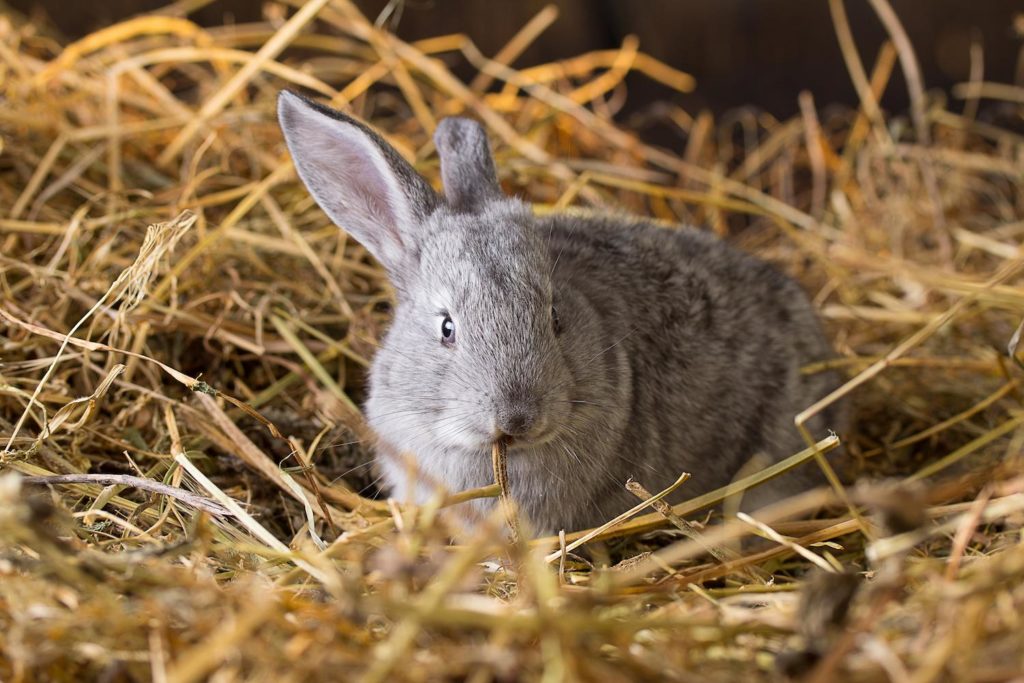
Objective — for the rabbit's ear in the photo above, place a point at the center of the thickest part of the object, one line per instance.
(358, 179)
(467, 168)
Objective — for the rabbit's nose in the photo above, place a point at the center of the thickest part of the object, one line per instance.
(517, 420)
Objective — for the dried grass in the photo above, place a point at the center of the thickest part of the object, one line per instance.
(188, 391)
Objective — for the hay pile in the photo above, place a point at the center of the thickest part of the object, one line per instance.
(183, 338)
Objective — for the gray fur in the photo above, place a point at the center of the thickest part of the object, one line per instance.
(676, 353)
(467, 168)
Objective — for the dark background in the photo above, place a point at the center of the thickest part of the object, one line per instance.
(742, 52)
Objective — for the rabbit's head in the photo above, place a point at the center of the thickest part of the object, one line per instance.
(476, 350)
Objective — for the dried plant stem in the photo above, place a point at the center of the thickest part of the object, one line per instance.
(499, 464)
(781, 540)
(255, 528)
(868, 97)
(912, 71)
(910, 342)
(722, 554)
(612, 523)
(812, 132)
(523, 38)
(733, 529)
(136, 276)
(656, 520)
(184, 496)
(268, 52)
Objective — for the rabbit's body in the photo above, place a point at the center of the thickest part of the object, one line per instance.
(693, 367)
(607, 347)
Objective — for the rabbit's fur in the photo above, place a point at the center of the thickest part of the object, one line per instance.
(609, 348)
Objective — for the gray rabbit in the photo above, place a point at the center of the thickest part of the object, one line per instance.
(604, 348)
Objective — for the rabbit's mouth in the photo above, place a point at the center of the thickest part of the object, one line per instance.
(542, 428)
(529, 441)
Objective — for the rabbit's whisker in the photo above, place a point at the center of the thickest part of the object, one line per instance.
(337, 444)
(349, 471)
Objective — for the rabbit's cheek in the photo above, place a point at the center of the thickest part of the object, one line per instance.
(458, 423)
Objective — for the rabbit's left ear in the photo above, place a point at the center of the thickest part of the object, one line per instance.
(357, 178)
(467, 167)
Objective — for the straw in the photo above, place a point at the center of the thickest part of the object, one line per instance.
(188, 485)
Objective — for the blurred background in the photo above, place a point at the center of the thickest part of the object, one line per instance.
(740, 51)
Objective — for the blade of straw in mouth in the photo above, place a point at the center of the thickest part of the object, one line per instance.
(499, 454)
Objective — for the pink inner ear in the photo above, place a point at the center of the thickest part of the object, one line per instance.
(351, 180)
(361, 190)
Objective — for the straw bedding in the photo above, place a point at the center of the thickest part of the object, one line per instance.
(185, 487)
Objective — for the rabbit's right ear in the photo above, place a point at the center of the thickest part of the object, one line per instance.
(358, 179)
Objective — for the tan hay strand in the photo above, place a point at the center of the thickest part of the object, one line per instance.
(499, 455)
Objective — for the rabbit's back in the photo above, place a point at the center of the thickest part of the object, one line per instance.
(715, 340)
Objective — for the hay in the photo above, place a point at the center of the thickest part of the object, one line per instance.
(188, 392)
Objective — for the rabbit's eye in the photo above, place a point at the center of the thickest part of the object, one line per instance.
(556, 324)
(447, 330)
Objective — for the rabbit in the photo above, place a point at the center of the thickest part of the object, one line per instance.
(601, 347)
